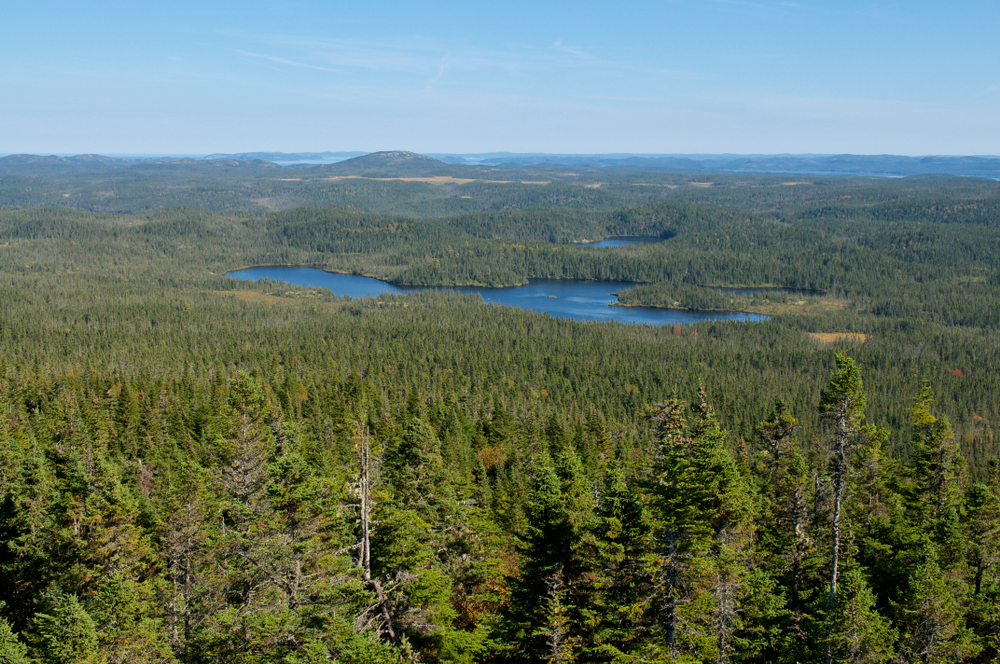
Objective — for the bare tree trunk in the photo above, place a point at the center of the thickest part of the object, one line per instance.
(842, 435)
(364, 454)
(365, 460)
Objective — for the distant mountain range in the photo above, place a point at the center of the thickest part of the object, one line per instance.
(29, 164)
(288, 157)
(401, 163)
(844, 164)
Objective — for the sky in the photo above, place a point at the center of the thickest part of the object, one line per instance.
(657, 77)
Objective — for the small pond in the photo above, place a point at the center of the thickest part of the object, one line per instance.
(579, 300)
(620, 241)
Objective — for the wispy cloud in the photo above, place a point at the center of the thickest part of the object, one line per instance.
(559, 46)
(440, 74)
(430, 59)
(291, 63)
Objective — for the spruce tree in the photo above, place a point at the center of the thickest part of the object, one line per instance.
(933, 615)
(12, 650)
(63, 632)
(844, 403)
(938, 474)
(535, 611)
(859, 634)
(620, 532)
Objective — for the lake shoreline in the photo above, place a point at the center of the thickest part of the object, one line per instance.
(583, 300)
(705, 311)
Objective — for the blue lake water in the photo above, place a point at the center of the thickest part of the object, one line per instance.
(579, 300)
(620, 241)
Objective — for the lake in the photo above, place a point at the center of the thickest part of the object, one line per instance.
(620, 241)
(578, 300)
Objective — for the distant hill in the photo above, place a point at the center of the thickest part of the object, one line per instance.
(394, 163)
(38, 164)
(288, 157)
(29, 164)
(206, 165)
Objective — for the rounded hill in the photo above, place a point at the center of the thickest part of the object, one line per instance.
(392, 163)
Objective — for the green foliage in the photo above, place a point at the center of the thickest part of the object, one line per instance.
(12, 650)
(535, 618)
(126, 632)
(178, 450)
(859, 633)
(64, 633)
(933, 624)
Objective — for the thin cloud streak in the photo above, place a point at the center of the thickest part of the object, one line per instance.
(439, 75)
(291, 63)
(558, 45)
(416, 55)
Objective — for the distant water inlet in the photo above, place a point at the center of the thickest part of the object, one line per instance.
(578, 300)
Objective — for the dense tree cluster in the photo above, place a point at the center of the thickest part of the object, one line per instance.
(197, 469)
(252, 519)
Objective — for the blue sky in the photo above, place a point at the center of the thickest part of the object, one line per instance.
(671, 76)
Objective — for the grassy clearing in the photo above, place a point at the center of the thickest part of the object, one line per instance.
(802, 306)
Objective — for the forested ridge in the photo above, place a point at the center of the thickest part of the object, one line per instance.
(198, 469)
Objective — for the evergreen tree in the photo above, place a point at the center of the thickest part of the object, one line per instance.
(939, 468)
(886, 540)
(126, 632)
(535, 613)
(620, 533)
(859, 634)
(63, 632)
(703, 507)
(12, 650)
(246, 624)
(982, 531)
(843, 402)
(787, 541)
(933, 627)
(426, 545)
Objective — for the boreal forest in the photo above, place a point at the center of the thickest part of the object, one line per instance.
(198, 469)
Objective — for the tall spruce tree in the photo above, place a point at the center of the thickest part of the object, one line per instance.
(844, 403)
(702, 506)
(535, 616)
(786, 539)
(620, 532)
(938, 474)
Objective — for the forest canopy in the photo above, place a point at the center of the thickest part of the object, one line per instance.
(199, 469)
